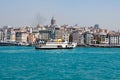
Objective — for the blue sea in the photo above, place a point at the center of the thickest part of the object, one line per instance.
(27, 63)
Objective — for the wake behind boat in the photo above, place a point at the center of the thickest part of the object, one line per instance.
(55, 45)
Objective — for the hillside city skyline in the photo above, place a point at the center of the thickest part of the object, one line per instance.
(27, 35)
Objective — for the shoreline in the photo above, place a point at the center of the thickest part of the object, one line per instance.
(86, 46)
(100, 46)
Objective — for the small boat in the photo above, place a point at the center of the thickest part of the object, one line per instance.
(55, 45)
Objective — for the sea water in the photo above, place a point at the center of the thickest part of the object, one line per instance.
(27, 63)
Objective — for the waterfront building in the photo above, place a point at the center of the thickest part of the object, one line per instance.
(96, 39)
(31, 39)
(8, 33)
(5, 29)
(114, 39)
(52, 32)
(1, 35)
(35, 32)
(58, 33)
(107, 39)
(65, 36)
(103, 38)
(44, 35)
(100, 36)
(12, 35)
(88, 38)
(75, 36)
(21, 37)
(78, 37)
(81, 39)
(119, 39)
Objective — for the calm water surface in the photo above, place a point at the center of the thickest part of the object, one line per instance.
(26, 63)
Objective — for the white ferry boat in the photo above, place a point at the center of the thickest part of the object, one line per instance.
(55, 45)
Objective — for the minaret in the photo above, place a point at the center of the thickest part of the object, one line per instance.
(53, 21)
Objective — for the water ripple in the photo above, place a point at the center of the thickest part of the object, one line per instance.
(26, 63)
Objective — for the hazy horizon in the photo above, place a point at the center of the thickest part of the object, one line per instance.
(19, 13)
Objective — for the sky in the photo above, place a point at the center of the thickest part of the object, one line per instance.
(19, 13)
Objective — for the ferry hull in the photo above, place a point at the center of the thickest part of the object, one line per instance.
(55, 45)
(53, 48)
